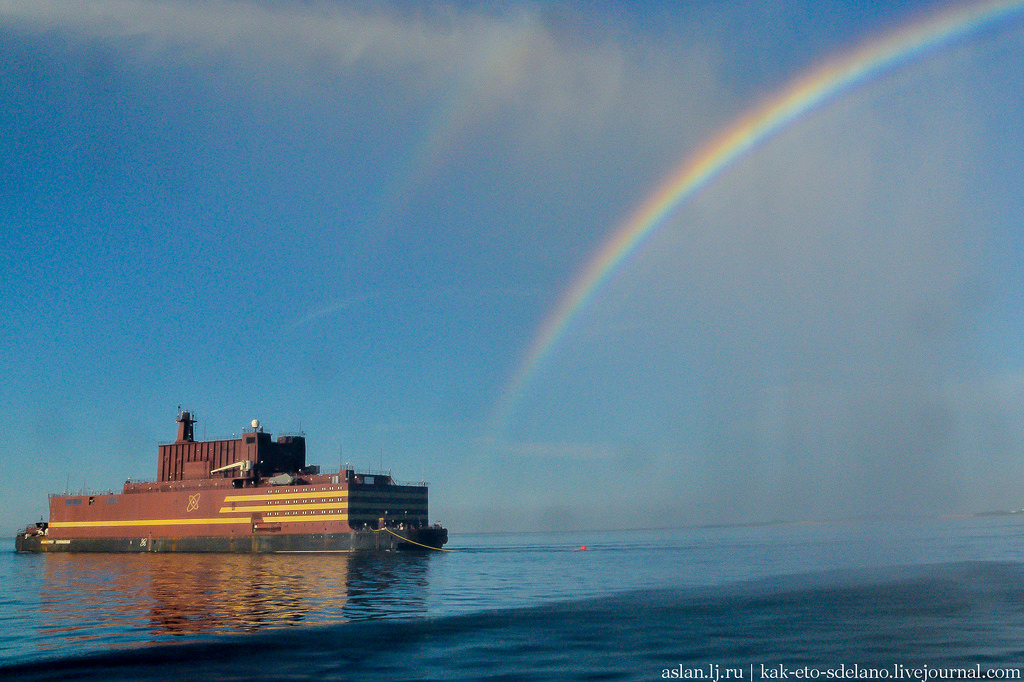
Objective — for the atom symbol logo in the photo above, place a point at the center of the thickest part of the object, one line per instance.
(193, 502)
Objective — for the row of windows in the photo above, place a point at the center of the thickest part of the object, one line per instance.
(313, 489)
(316, 500)
(302, 513)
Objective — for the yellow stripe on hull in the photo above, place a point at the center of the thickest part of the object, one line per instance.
(286, 496)
(147, 522)
(197, 522)
(287, 507)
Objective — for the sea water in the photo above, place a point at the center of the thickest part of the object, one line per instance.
(914, 599)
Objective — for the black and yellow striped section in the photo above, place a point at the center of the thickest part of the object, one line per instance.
(281, 517)
(285, 505)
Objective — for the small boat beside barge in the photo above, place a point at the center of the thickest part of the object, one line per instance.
(248, 494)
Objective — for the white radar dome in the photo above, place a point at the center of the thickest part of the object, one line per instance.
(255, 423)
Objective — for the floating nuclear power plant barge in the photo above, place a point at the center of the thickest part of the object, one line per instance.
(247, 494)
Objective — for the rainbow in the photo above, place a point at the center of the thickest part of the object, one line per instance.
(804, 94)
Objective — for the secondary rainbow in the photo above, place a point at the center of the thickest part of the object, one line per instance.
(800, 97)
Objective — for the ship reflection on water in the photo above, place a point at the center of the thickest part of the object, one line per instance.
(160, 597)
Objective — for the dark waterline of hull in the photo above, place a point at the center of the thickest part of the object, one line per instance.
(421, 539)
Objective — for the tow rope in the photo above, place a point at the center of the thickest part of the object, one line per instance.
(411, 542)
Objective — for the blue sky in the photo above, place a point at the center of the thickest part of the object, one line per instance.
(352, 219)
